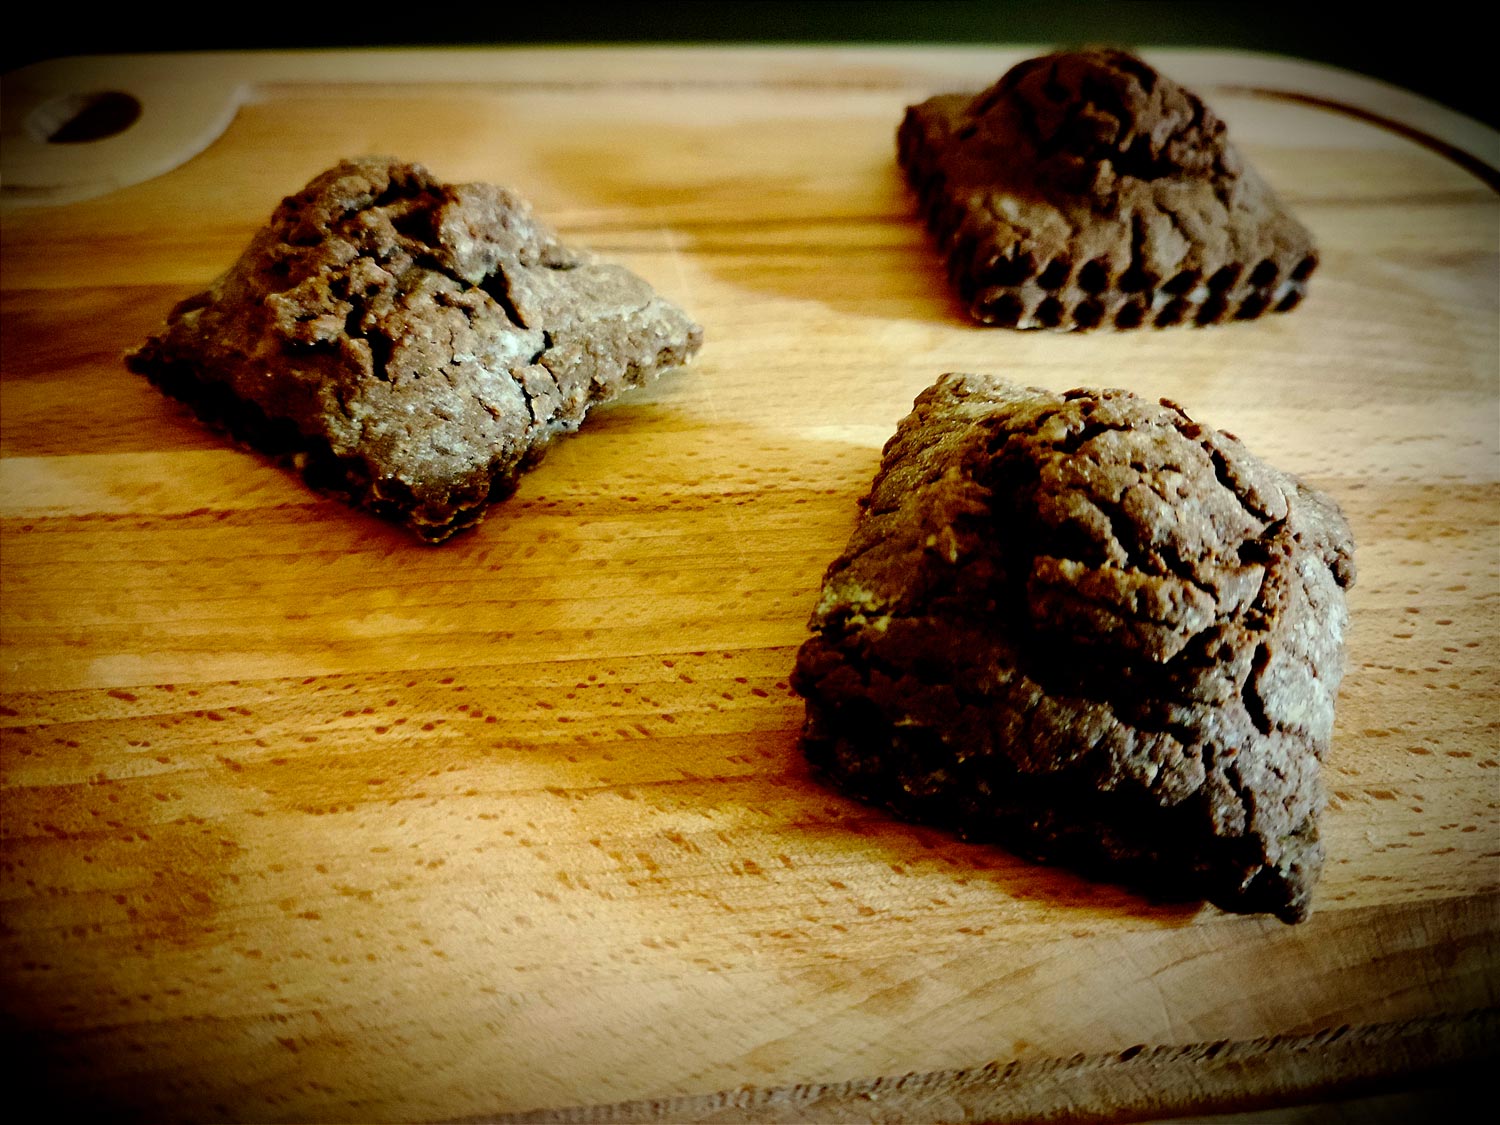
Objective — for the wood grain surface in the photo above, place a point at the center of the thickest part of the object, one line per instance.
(303, 820)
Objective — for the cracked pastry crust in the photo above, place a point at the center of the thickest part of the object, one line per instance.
(1086, 189)
(1087, 627)
(411, 345)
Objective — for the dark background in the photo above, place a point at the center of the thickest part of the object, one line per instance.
(1435, 49)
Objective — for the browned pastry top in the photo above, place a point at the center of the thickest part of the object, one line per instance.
(1082, 109)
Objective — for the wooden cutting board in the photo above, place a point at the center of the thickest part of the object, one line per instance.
(305, 821)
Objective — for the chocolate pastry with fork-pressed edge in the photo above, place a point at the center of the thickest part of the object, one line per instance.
(1084, 189)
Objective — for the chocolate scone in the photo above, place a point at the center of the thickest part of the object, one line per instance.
(411, 345)
(1088, 628)
(1085, 189)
